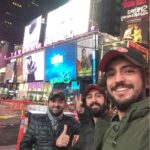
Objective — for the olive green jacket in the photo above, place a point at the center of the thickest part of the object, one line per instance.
(132, 132)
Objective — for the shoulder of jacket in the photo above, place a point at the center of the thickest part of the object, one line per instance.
(39, 117)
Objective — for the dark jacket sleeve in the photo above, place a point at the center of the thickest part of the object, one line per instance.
(29, 137)
(84, 118)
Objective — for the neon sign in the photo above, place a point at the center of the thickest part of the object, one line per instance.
(64, 78)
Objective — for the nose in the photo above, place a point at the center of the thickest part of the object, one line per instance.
(56, 103)
(93, 98)
(119, 77)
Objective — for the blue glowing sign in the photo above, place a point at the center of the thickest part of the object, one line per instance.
(60, 61)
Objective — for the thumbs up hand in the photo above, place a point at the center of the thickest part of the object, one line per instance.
(63, 139)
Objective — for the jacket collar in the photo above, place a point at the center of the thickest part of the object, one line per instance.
(136, 110)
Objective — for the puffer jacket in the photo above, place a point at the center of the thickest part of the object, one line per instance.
(40, 133)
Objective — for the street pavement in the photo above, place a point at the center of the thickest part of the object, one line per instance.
(9, 127)
(10, 147)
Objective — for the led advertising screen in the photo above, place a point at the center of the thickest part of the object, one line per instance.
(32, 34)
(85, 57)
(33, 67)
(19, 65)
(67, 21)
(3, 52)
(60, 63)
(135, 20)
(9, 75)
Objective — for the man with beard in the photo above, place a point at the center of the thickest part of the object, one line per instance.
(53, 131)
(93, 114)
(126, 81)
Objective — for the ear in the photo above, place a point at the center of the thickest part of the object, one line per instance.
(147, 82)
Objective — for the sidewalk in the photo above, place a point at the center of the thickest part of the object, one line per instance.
(10, 147)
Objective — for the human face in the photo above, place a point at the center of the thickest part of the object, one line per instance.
(56, 107)
(95, 103)
(84, 53)
(124, 83)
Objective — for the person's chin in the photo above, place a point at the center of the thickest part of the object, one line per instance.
(56, 113)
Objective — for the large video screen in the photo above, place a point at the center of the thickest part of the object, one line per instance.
(85, 57)
(19, 65)
(9, 75)
(60, 63)
(67, 21)
(33, 67)
(32, 34)
(135, 21)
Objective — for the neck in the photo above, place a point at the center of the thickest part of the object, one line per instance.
(95, 119)
(120, 114)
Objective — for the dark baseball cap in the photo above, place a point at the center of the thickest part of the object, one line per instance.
(129, 53)
(54, 95)
(91, 87)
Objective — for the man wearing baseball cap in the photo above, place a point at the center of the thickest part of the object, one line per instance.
(52, 131)
(93, 114)
(125, 73)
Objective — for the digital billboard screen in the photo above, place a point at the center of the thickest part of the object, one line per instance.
(33, 66)
(19, 66)
(32, 34)
(67, 21)
(60, 63)
(85, 57)
(135, 20)
(9, 75)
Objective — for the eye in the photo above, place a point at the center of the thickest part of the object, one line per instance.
(130, 70)
(110, 74)
(99, 95)
(88, 96)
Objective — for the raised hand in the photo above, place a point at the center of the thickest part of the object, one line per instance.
(63, 139)
(79, 103)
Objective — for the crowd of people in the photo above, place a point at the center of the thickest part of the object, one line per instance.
(125, 80)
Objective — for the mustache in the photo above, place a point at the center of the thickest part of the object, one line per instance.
(95, 103)
(121, 84)
(58, 107)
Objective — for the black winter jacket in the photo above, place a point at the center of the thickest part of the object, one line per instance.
(40, 133)
(88, 138)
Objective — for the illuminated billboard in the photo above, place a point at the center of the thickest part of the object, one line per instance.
(60, 63)
(33, 66)
(32, 34)
(85, 57)
(19, 65)
(135, 20)
(9, 75)
(67, 21)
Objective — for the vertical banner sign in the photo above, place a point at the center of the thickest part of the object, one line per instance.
(134, 20)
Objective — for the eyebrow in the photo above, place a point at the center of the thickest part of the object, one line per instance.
(123, 67)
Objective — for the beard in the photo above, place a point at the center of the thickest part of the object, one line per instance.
(98, 111)
(124, 105)
(56, 113)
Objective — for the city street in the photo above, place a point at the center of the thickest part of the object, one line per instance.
(9, 127)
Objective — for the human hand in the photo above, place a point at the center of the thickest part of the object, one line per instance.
(79, 104)
(63, 139)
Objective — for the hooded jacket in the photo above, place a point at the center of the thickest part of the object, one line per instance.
(132, 132)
